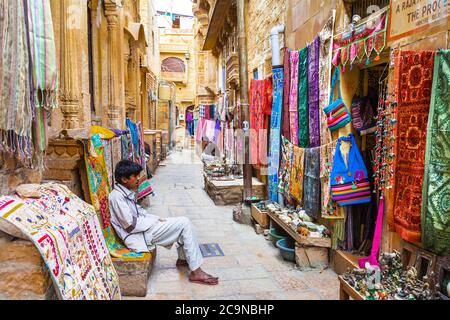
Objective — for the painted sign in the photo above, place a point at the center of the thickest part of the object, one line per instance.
(413, 16)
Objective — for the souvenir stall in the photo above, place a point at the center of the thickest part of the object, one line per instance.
(222, 171)
(359, 123)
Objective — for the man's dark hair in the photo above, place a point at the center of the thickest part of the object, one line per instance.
(126, 169)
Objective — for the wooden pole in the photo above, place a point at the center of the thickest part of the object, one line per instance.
(243, 81)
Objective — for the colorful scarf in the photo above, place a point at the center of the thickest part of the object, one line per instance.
(311, 184)
(284, 179)
(258, 122)
(413, 93)
(275, 126)
(325, 56)
(293, 97)
(286, 87)
(436, 183)
(108, 160)
(124, 141)
(68, 235)
(43, 54)
(329, 207)
(99, 190)
(313, 93)
(15, 107)
(297, 172)
(303, 113)
(134, 134)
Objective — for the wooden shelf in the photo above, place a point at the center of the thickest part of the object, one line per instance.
(346, 291)
(307, 241)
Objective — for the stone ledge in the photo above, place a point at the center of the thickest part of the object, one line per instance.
(134, 275)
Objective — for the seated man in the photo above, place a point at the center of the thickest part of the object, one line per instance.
(140, 230)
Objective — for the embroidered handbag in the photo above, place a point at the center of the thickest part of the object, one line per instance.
(362, 108)
(337, 113)
(349, 185)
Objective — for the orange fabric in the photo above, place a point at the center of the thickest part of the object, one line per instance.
(413, 94)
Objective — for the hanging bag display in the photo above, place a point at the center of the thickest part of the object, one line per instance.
(349, 185)
(362, 109)
(337, 113)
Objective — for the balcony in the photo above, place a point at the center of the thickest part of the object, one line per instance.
(177, 77)
(217, 15)
(233, 68)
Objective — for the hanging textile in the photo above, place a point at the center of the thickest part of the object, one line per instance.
(43, 54)
(329, 207)
(313, 93)
(141, 148)
(303, 113)
(357, 45)
(134, 134)
(124, 142)
(267, 101)
(293, 97)
(99, 189)
(284, 185)
(15, 107)
(258, 121)
(325, 56)
(108, 160)
(201, 111)
(275, 126)
(311, 186)
(297, 172)
(67, 234)
(116, 152)
(413, 94)
(436, 184)
(285, 131)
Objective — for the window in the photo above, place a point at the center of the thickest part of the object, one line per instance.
(365, 8)
(173, 64)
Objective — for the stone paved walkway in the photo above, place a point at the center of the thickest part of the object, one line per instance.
(252, 267)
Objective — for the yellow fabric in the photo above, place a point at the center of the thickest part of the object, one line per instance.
(103, 132)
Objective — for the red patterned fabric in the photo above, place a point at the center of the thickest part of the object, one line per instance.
(258, 121)
(415, 77)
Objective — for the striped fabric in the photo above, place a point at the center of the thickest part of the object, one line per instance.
(43, 53)
(337, 115)
(15, 106)
(351, 193)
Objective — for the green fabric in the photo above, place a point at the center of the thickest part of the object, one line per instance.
(303, 113)
(436, 191)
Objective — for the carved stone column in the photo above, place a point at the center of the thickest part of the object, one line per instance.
(131, 84)
(114, 61)
(70, 92)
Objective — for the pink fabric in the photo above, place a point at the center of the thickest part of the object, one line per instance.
(373, 259)
(200, 128)
(293, 97)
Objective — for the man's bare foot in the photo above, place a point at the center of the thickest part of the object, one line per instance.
(181, 263)
(201, 277)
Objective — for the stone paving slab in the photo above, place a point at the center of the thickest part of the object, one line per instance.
(252, 268)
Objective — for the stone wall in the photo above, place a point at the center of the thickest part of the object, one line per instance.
(23, 273)
(262, 17)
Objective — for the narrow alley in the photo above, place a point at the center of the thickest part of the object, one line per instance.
(251, 268)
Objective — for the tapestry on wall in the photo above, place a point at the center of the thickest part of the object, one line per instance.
(284, 186)
(313, 93)
(99, 190)
(311, 184)
(275, 126)
(258, 121)
(325, 56)
(436, 184)
(413, 95)
(68, 235)
(285, 129)
(293, 97)
(297, 172)
(329, 207)
(303, 113)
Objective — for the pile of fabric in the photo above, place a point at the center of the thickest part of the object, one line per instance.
(67, 233)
